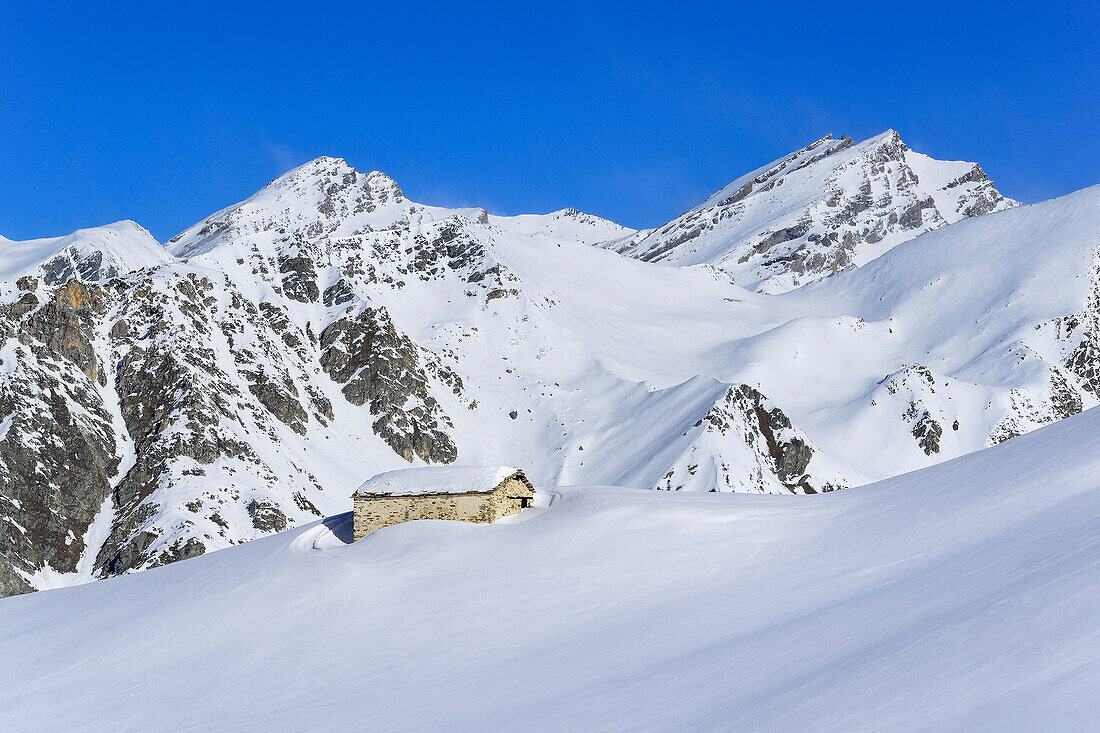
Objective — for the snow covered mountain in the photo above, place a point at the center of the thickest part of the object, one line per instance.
(831, 205)
(88, 254)
(959, 597)
(165, 403)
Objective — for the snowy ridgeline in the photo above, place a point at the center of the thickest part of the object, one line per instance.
(157, 404)
(959, 597)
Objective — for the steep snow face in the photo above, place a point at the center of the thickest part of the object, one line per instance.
(960, 597)
(832, 205)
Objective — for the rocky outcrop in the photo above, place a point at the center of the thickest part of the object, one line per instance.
(71, 265)
(1079, 334)
(926, 430)
(280, 399)
(747, 443)
(266, 516)
(63, 326)
(299, 279)
(917, 384)
(338, 293)
(380, 367)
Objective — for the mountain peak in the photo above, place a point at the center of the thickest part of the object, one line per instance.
(337, 170)
(887, 145)
(828, 206)
(94, 253)
(321, 167)
(323, 197)
(322, 162)
(379, 181)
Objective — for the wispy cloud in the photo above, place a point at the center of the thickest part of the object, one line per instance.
(285, 157)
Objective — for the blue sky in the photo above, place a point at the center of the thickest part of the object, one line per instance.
(166, 114)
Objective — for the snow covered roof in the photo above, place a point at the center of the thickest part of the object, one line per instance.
(436, 480)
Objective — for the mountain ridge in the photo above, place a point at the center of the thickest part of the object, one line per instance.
(851, 203)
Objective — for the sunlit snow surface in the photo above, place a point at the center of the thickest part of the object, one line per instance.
(960, 597)
(436, 480)
(124, 245)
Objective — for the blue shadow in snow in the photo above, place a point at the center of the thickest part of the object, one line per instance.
(342, 526)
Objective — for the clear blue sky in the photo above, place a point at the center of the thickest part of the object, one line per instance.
(165, 112)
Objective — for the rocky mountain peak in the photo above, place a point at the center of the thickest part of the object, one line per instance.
(324, 165)
(829, 206)
(888, 146)
(327, 171)
(381, 183)
(323, 198)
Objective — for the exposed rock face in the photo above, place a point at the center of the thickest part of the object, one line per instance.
(169, 413)
(339, 293)
(266, 516)
(1080, 335)
(63, 326)
(925, 429)
(818, 211)
(68, 266)
(57, 446)
(59, 449)
(748, 444)
(11, 582)
(917, 382)
(380, 367)
(281, 400)
(203, 378)
(299, 279)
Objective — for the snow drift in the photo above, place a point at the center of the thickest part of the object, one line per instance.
(962, 596)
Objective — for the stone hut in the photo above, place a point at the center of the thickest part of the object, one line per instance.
(465, 493)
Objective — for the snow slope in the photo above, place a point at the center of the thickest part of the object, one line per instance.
(568, 224)
(959, 597)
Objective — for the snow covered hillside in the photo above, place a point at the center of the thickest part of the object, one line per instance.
(157, 404)
(819, 210)
(959, 597)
